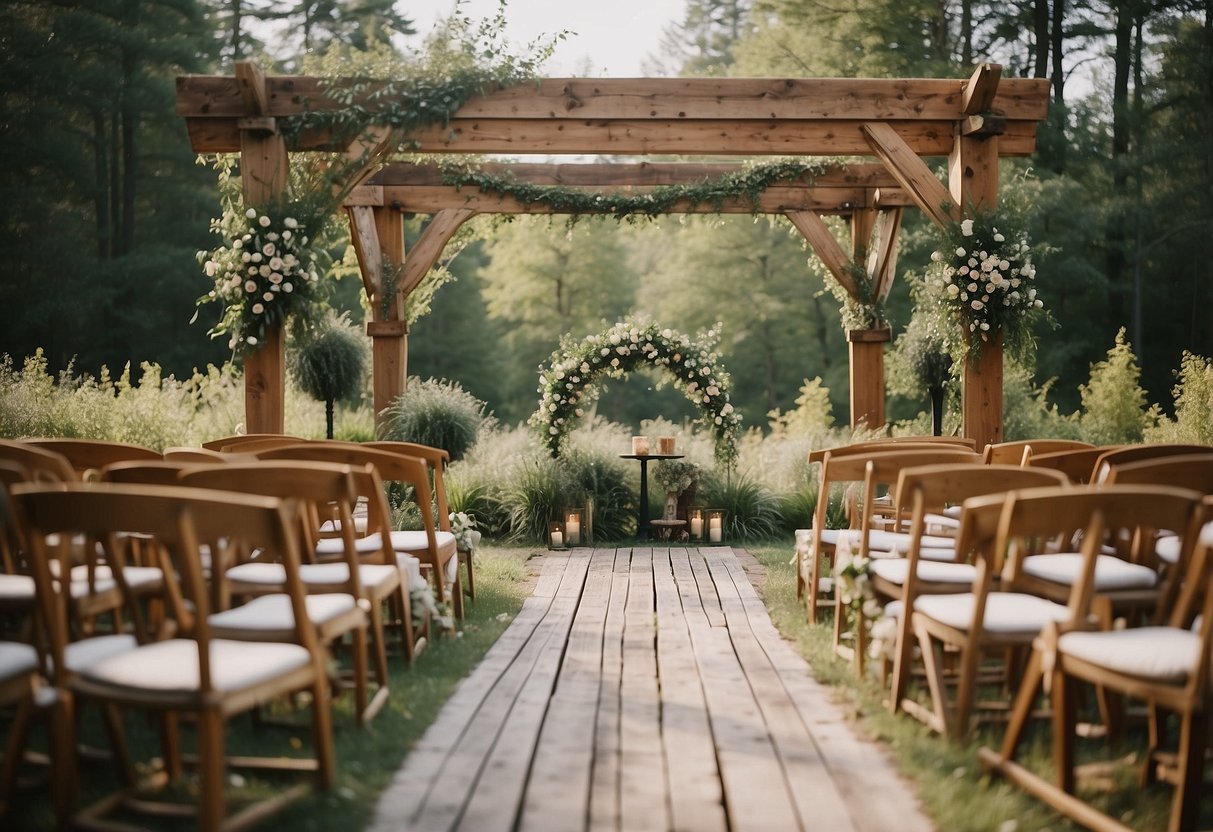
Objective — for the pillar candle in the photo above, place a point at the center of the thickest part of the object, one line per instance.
(572, 528)
(640, 445)
(714, 530)
(665, 444)
(697, 527)
(557, 540)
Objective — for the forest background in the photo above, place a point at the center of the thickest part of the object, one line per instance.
(103, 206)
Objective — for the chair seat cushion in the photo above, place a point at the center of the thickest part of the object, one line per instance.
(333, 547)
(172, 666)
(15, 588)
(78, 655)
(16, 659)
(883, 541)
(270, 617)
(1167, 548)
(413, 542)
(333, 527)
(1164, 654)
(895, 571)
(1111, 573)
(410, 567)
(1007, 613)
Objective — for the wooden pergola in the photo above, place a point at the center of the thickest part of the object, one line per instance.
(971, 123)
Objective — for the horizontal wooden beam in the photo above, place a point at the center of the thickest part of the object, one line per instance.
(426, 199)
(637, 137)
(661, 99)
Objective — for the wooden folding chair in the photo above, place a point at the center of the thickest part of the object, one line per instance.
(193, 672)
(1112, 457)
(431, 545)
(923, 492)
(40, 465)
(323, 488)
(1077, 464)
(880, 475)
(1167, 666)
(88, 456)
(1012, 453)
(233, 443)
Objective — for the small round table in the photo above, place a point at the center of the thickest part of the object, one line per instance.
(642, 522)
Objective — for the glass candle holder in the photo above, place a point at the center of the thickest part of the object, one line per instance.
(715, 524)
(556, 535)
(696, 518)
(574, 523)
(640, 445)
(665, 445)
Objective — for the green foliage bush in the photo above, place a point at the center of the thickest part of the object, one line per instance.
(437, 413)
(1193, 423)
(1113, 403)
(753, 509)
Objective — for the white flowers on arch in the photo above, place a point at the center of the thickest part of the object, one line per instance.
(567, 383)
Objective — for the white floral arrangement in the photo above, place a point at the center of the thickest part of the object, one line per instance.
(264, 270)
(983, 276)
(852, 573)
(463, 526)
(566, 384)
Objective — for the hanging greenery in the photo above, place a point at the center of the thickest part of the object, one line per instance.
(567, 384)
(748, 183)
(858, 314)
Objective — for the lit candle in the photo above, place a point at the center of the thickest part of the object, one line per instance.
(557, 540)
(666, 445)
(640, 445)
(713, 529)
(572, 528)
(697, 527)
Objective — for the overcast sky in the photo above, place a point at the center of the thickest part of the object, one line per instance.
(607, 37)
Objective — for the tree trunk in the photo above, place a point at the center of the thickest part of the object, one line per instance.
(105, 231)
(1116, 234)
(1040, 32)
(936, 410)
(328, 418)
(130, 164)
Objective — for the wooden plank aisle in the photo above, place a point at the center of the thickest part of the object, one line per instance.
(756, 796)
(409, 792)
(558, 789)
(643, 797)
(815, 798)
(644, 689)
(696, 801)
(857, 769)
(494, 803)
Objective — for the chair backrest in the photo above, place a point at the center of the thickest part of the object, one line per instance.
(1113, 457)
(932, 488)
(1012, 453)
(1130, 513)
(152, 472)
(900, 442)
(437, 459)
(1194, 471)
(182, 521)
(1077, 464)
(182, 454)
(391, 467)
(40, 464)
(88, 456)
(226, 443)
(882, 470)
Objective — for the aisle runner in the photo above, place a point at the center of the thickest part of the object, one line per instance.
(644, 689)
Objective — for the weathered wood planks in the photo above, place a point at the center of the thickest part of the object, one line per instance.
(643, 689)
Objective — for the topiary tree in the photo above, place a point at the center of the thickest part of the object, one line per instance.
(332, 365)
(1113, 403)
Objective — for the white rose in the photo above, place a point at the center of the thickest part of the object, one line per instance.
(998, 238)
(984, 326)
(263, 221)
(976, 304)
(251, 213)
(250, 286)
(288, 288)
(290, 222)
(960, 252)
(268, 249)
(966, 228)
(211, 267)
(267, 296)
(258, 309)
(953, 290)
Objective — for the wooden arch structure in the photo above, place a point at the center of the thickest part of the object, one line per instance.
(971, 123)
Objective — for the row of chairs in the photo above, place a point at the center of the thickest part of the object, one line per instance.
(1000, 576)
(226, 580)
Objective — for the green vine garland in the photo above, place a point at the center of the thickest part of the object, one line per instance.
(748, 183)
(566, 385)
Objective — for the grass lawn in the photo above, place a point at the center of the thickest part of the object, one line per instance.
(954, 791)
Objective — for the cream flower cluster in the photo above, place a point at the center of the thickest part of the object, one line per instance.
(259, 273)
(566, 385)
(986, 279)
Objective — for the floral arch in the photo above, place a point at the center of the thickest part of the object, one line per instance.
(568, 383)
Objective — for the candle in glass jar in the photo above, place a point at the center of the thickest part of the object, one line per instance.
(572, 528)
(665, 444)
(640, 445)
(714, 531)
(697, 527)
(557, 540)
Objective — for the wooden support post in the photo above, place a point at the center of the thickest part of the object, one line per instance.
(389, 330)
(263, 175)
(867, 376)
(973, 179)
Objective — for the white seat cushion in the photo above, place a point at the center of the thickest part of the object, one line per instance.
(883, 541)
(15, 588)
(334, 526)
(1167, 548)
(411, 568)
(172, 666)
(1165, 654)
(16, 659)
(1111, 573)
(895, 570)
(270, 616)
(331, 547)
(1007, 613)
(78, 655)
(417, 541)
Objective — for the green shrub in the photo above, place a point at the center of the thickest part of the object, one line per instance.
(1113, 403)
(592, 475)
(332, 365)
(1026, 412)
(440, 414)
(468, 491)
(534, 495)
(753, 510)
(1193, 422)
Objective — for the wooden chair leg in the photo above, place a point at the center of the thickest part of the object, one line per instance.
(935, 682)
(322, 734)
(903, 652)
(64, 757)
(1185, 803)
(14, 754)
(470, 589)
(1021, 711)
(966, 691)
(1064, 718)
(814, 585)
(211, 797)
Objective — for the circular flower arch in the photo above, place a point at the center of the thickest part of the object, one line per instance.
(567, 383)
